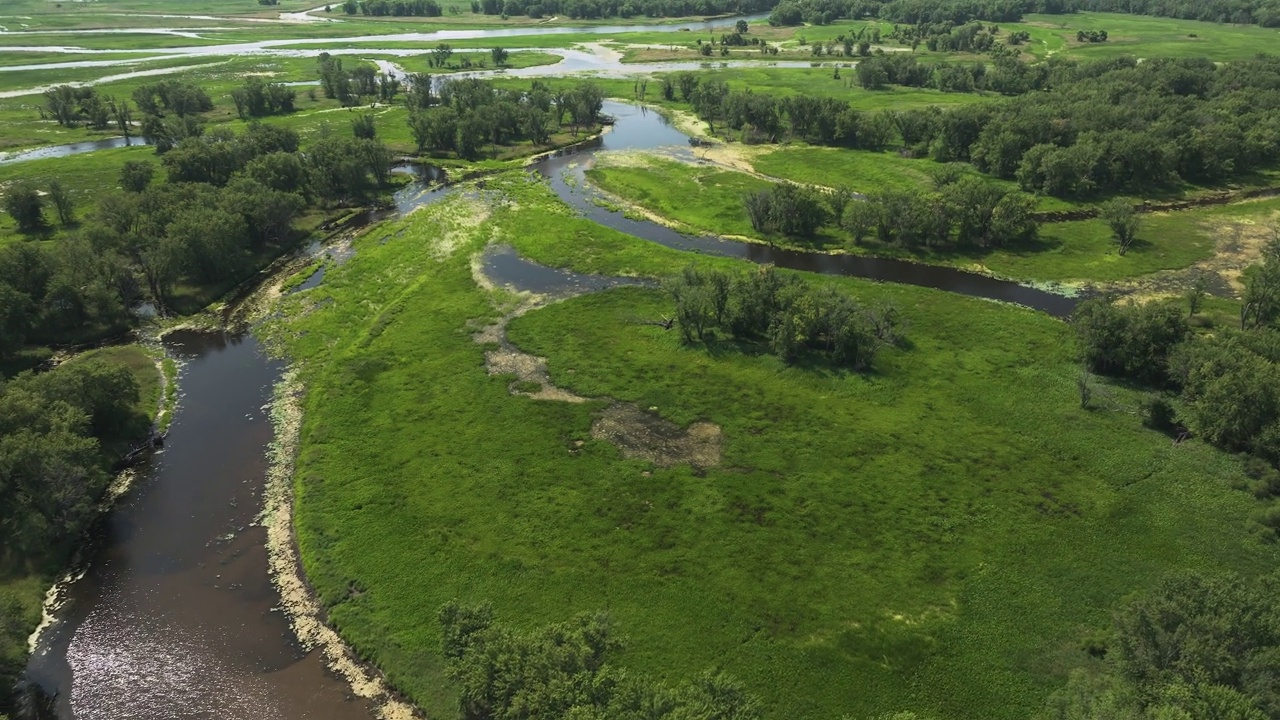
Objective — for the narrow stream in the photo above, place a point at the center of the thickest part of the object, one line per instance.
(176, 616)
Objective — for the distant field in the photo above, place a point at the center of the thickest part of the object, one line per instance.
(1147, 37)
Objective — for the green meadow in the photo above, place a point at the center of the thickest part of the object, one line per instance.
(944, 534)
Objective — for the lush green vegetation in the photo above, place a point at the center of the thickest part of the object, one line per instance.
(903, 540)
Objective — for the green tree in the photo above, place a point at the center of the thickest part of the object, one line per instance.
(440, 55)
(24, 204)
(499, 56)
(1122, 220)
(859, 219)
(364, 127)
(62, 203)
(135, 175)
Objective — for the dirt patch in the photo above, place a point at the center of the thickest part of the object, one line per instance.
(636, 433)
(1240, 242)
(645, 435)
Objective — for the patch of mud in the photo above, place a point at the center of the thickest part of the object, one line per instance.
(299, 602)
(645, 435)
(1239, 244)
(637, 433)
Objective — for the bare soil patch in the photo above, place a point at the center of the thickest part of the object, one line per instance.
(641, 434)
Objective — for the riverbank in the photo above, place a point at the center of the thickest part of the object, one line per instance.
(31, 596)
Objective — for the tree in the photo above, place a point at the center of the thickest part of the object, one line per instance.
(363, 126)
(440, 55)
(1261, 302)
(135, 175)
(499, 56)
(123, 115)
(859, 219)
(1122, 220)
(24, 204)
(62, 204)
(1196, 292)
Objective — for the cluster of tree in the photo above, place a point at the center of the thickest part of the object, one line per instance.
(351, 87)
(757, 117)
(1107, 126)
(963, 211)
(226, 198)
(257, 99)
(70, 291)
(791, 317)
(787, 209)
(57, 432)
(172, 97)
(26, 205)
(959, 12)
(1193, 646)
(470, 112)
(972, 37)
(910, 12)
(592, 9)
(883, 69)
(1091, 36)
(70, 106)
(394, 8)
(563, 670)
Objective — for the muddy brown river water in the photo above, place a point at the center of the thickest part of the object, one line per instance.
(176, 616)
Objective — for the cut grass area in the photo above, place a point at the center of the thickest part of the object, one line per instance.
(941, 535)
(1166, 241)
(865, 171)
(703, 199)
(710, 200)
(1145, 37)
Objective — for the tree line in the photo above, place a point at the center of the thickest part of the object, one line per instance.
(394, 8)
(467, 113)
(789, 316)
(592, 9)
(564, 670)
(958, 12)
(1101, 127)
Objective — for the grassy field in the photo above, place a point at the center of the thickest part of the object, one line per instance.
(863, 171)
(1146, 37)
(702, 199)
(941, 535)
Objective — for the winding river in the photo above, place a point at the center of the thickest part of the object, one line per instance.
(176, 616)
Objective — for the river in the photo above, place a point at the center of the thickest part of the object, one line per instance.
(176, 616)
